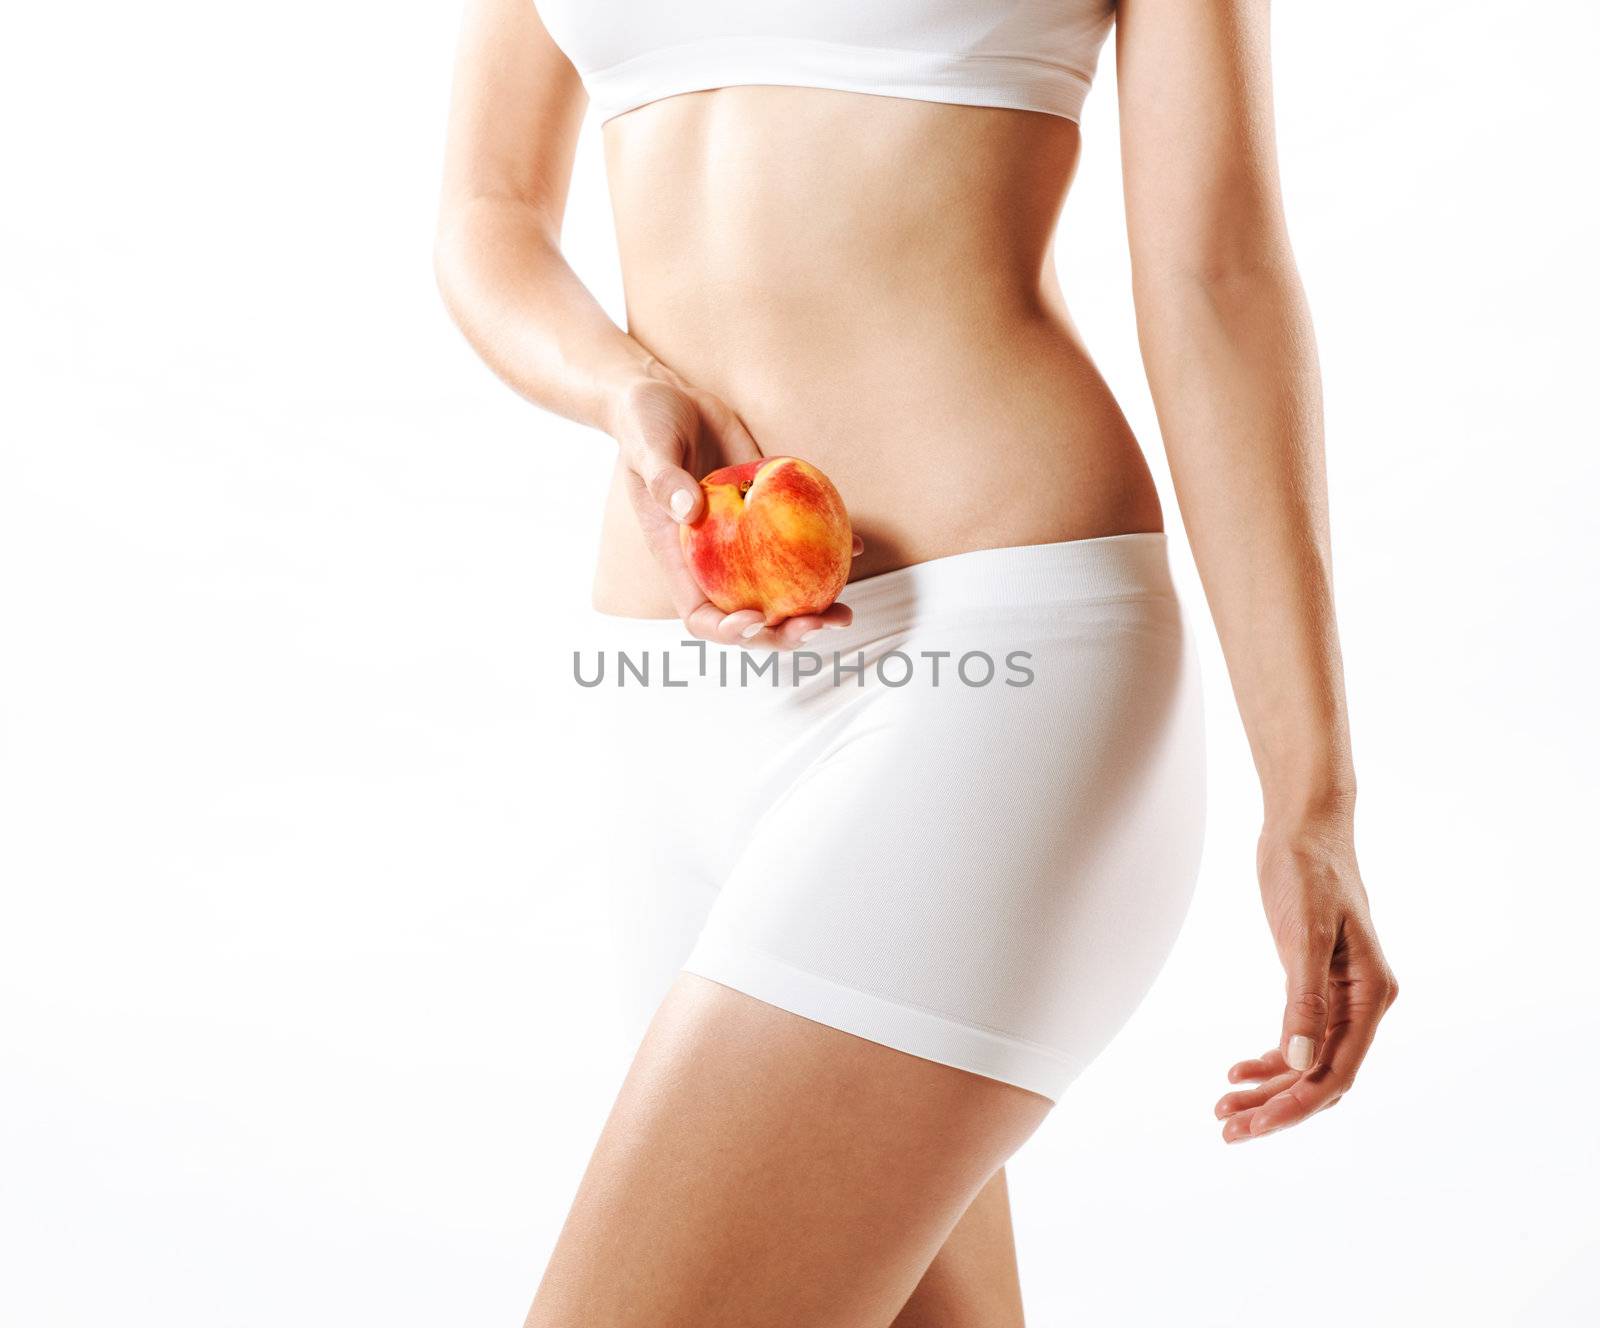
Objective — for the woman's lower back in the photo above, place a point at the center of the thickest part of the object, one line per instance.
(881, 301)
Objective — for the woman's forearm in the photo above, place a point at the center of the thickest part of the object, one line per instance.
(1233, 368)
(527, 314)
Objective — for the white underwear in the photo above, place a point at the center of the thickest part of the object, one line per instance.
(967, 826)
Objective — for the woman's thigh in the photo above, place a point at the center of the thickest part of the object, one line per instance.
(972, 1281)
(760, 1168)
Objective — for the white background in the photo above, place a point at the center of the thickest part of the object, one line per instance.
(301, 1021)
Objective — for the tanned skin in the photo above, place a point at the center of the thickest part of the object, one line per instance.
(868, 282)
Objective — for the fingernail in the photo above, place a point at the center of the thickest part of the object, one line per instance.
(680, 503)
(1302, 1051)
(834, 627)
(755, 629)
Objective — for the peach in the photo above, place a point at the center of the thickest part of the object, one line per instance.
(774, 536)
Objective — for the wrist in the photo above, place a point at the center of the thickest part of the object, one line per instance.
(1307, 776)
(1308, 812)
(620, 393)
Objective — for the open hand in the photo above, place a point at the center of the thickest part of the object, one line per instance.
(1339, 985)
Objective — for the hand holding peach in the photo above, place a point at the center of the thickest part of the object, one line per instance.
(774, 537)
(668, 431)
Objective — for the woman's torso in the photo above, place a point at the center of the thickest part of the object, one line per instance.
(868, 282)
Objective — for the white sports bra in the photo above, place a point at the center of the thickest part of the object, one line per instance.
(1032, 55)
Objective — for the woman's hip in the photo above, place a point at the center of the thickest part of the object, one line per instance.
(966, 825)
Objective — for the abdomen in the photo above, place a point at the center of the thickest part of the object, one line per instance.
(867, 282)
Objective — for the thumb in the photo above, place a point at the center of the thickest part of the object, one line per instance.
(674, 489)
(1305, 1016)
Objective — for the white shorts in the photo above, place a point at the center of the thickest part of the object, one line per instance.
(966, 827)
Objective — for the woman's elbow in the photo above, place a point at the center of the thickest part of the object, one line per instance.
(461, 239)
(1215, 283)
(447, 267)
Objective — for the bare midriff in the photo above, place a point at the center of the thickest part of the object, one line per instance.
(869, 282)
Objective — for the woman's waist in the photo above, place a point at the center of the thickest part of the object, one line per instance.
(980, 472)
(796, 194)
(977, 608)
(798, 329)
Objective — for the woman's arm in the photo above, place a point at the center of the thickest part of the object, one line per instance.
(515, 111)
(1228, 346)
(514, 119)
